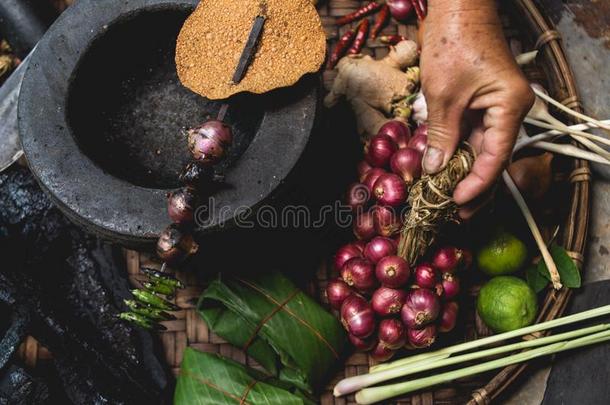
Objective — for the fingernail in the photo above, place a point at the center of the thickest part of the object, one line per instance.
(433, 160)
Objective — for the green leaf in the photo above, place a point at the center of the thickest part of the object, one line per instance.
(207, 378)
(568, 271)
(280, 327)
(535, 280)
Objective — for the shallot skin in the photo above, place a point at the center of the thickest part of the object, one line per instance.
(360, 274)
(390, 189)
(346, 253)
(379, 150)
(392, 333)
(358, 317)
(422, 338)
(393, 271)
(337, 291)
(388, 301)
(378, 248)
(398, 131)
(421, 308)
(364, 226)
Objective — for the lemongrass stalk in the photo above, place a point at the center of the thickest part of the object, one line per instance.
(526, 58)
(571, 151)
(531, 222)
(476, 344)
(377, 394)
(568, 130)
(568, 110)
(356, 383)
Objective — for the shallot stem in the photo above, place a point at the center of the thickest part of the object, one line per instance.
(377, 394)
(477, 344)
(570, 150)
(546, 255)
(356, 383)
(568, 130)
(526, 58)
(568, 110)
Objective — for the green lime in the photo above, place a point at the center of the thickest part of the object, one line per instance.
(503, 254)
(507, 303)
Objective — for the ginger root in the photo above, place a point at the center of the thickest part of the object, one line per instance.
(373, 87)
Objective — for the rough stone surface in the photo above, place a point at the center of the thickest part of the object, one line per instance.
(77, 162)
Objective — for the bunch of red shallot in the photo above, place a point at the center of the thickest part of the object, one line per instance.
(384, 304)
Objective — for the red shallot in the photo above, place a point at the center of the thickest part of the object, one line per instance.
(346, 253)
(393, 271)
(448, 317)
(407, 163)
(387, 222)
(379, 150)
(398, 131)
(390, 189)
(422, 338)
(337, 291)
(378, 248)
(364, 227)
(421, 307)
(392, 333)
(426, 276)
(360, 274)
(358, 317)
(388, 301)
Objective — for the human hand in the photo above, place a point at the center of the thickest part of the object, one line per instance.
(474, 90)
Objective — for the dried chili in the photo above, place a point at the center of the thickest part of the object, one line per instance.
(341, 48)
(361, 35)
(360, 13)
(380, 21)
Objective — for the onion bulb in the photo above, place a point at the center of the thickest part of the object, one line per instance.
(181, 205)
(533, 175)
(357, 196)
(358, 317)
(345, 253)
(362, 345)
(378, 248)
(364, 226)
(426, 276)
(392, 333)
(421, 307)
(422, 338)
(398, 131)
(209, 142)
(388, 301)
(379, 150)
(390, 189)
(407, 163)
(337, 291)
(175, 245)
(387, 223)
(360, 274)
(448, 317)
(401, 10)
(393, 271)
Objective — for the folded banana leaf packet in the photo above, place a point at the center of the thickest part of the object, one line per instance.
(279, 326)
(219, 381)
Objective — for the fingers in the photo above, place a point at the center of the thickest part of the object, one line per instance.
(444, 123)
(494, 154)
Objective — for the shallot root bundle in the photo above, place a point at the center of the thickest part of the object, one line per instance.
(432, 205)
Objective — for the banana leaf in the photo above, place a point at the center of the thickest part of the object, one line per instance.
(284, 330)
(207, 378)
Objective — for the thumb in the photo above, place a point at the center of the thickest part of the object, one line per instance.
(444, 125)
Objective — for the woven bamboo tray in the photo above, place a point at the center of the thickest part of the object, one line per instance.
(526, 28)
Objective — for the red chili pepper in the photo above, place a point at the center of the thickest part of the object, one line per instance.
(392, 39)
(421, 8)
(342, 46)
(380, 21)
(361, 36)
(360, 13)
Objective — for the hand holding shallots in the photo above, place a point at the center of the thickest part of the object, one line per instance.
(474, 90)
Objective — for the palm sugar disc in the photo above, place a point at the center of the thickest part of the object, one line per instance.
(210, 44)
